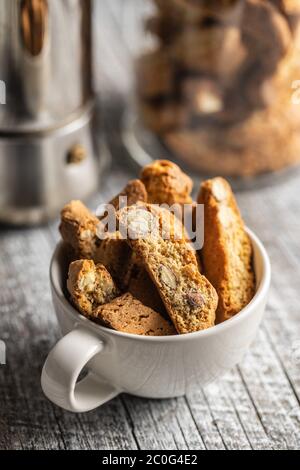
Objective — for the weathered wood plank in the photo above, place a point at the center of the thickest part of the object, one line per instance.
(163, 424)
(271, 393)
(240, 406)
(225, 417)
(27, 306)
(105, 428)
(204, 420)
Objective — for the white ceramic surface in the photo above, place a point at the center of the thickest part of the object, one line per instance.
(154, 367)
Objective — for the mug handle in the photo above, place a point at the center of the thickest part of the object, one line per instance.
(63, 366)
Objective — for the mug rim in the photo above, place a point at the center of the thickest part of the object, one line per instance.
(261, 292)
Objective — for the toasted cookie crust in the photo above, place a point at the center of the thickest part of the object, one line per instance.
(227, 251)
(189, 298)
(127, 314)
(90, 285)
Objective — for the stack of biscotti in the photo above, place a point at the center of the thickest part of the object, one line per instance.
(217, 86)
(147, 277)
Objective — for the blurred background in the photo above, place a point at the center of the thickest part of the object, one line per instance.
(210, 85)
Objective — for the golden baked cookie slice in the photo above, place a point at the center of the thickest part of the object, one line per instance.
(166, 183)
(171, 262)
(78, 228)
(129, 315)
(90, 285)
(227, 250)
(83, 230)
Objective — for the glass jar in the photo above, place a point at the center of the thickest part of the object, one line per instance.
(216, 84)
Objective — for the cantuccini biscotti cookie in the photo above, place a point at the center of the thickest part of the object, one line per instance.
(227, 250)
(189, 298)
(78, 228)
(129, 315)
(83, 230)
(139, 283)
(90, 285)
(166, 183)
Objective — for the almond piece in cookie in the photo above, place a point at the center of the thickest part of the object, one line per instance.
(227, 250)
(78, 228)
(90, 285)
(129, 315)
(171, 262)
(166, 183)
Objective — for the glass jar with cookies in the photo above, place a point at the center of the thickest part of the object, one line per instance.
(217, 85)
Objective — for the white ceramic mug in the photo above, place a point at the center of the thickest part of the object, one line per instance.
(154, 367)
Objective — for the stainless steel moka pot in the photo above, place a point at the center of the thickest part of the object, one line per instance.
(48, 147)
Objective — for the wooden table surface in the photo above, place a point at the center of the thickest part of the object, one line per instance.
(256, 405)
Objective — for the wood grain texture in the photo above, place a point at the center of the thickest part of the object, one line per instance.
(254, 406)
